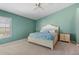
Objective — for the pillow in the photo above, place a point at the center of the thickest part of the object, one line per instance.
(51, 31)
(44, 31)
(49, 28)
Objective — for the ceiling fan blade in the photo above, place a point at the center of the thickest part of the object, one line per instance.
(38, 6)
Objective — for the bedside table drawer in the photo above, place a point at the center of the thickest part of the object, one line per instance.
(62, 37)
(65, 37)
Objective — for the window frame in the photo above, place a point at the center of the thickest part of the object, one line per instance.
(10, 22)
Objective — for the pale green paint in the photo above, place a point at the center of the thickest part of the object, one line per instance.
(65, 19)
(21, 27)
(77, 25)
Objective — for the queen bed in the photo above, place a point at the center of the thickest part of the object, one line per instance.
(48, 36)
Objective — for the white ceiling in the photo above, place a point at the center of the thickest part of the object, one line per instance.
(28, 9)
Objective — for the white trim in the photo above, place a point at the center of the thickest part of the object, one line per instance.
(10, 21)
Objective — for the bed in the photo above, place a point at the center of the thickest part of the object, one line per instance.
(48, 36)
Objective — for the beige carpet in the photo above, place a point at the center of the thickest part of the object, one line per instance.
(22, 47)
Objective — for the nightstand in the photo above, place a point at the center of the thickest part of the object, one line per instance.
(65, 37)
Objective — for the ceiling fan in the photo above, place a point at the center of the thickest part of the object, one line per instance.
(38, 6)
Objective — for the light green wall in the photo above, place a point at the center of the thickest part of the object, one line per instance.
(21, 27)
(65, 19)
(77, 25)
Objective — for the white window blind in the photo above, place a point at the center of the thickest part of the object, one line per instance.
(5, 27)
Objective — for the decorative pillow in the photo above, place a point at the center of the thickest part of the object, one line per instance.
(49, 28)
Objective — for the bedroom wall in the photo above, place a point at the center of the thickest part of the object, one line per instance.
(77, 26)
(65, 19)
(21, 27)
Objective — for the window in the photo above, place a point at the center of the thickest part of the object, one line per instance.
(5, 27)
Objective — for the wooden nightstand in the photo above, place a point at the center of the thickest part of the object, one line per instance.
(65, 37)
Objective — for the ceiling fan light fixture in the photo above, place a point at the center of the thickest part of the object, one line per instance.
(38, 5)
